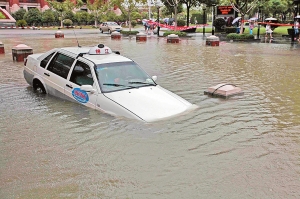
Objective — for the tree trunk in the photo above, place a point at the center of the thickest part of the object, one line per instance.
(175, 17)
(129, 22)
(188, 16)
(242, 25)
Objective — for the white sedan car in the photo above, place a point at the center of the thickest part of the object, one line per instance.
(109, 27)
(103, 80)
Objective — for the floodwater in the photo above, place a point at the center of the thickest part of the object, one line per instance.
(243, 147)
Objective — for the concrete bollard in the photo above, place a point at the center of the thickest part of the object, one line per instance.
(212, 41)
(20, 52)
(115, 35)
(172, 38)
(1, 48)
(141, 37)
(59, 34)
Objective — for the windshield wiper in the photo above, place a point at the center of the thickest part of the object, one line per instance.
(117, 85)
(150, 84)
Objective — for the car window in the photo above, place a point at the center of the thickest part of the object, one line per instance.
(81, 74)
(45, 61)
(113, 24)
(61, 65)
(122, 75)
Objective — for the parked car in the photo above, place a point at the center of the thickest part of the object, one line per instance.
(103, 80)
(110, 27)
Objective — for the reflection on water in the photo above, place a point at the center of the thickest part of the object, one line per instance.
(243, 147)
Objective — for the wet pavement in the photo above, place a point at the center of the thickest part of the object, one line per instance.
(243, 147)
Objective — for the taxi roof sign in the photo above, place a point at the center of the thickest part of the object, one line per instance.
(100, 50)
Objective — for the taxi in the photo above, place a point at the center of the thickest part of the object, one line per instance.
(102, 79)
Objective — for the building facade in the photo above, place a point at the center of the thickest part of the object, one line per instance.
(14, 5)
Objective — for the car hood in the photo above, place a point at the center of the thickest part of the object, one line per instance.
(151, 103)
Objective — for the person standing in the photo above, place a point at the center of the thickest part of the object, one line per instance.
(296, 29)
(251, 26)
(269, 30)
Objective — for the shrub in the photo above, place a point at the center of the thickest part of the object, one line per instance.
(21, 23)
(68, 22)
(124, 32)
(179, 33)
(180, 22)
(133, 23)
(219, 23)
(230, 30)
(235, 36)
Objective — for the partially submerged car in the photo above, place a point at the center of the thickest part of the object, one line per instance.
(110, 27)
(103, 80)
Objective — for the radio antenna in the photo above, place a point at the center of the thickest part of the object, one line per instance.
(76, 39)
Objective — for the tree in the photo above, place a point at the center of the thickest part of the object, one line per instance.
(174, 4)
(189, 4)
(243, 7)
(33, 16)
(128, 7)
(48, 16)
(19, 15)
(98, 8)
(63, 7)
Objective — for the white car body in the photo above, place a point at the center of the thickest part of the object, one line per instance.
(103, 80)
(109, 27)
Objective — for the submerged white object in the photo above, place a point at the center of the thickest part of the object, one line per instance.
(223, 90)
(104, 80)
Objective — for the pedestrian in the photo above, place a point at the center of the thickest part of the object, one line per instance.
(296, 29)
(269, 30)
(238, 28)
(251, 26)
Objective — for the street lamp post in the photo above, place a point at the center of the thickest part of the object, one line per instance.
(213, 19)
(204, 18)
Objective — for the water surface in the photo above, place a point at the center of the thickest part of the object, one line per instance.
(243, 147)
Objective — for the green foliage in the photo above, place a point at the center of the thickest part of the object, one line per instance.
(2, 16)
(180, 22)
(81, 17)
(198, 17)
(67, 22)
(133, 23)
(21, 23)
(135, 15)
(18, 15)
(219, 23)
(179, 33)
(129, 32)
(48, 16)
(69, 15)
(235, 36)
(230, 30)
(33, 16)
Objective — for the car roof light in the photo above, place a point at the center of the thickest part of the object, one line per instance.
(100, 50)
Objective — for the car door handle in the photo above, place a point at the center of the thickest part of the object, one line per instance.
(47, 74)
(68, 85)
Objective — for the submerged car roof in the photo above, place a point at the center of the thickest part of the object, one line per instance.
(98, 54)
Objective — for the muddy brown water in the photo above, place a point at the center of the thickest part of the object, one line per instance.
(243, 147)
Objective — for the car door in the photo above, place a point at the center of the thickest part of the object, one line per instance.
(56, 73)
(82, 73)
(105, 27)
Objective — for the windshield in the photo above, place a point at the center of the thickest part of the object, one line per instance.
(122, 75)
(112, 23)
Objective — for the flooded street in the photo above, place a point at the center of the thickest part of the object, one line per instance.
(243, 147)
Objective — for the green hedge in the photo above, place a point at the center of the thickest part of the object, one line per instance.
(180, 34)
(129, 32)
(236, 36)
(230, 30)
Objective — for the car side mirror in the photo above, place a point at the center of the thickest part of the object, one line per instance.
(154, 78)
(87, 88)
